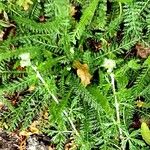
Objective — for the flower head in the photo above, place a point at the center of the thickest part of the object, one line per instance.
(71, 50)
(25, 59)
(109, 64)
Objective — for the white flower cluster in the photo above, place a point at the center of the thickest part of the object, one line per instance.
(25, 60)
(109, 64)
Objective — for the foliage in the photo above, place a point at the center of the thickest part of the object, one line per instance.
(145, 132)
(53, 60)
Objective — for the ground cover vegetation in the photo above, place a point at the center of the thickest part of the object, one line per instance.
(76, 71)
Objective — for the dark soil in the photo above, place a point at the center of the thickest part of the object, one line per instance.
(13, 142)
(8, 142)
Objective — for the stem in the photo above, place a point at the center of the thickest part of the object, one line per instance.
(116, 105)
(120, 7)
(54, 98)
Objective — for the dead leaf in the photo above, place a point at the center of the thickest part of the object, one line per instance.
(14, 99)
(6, 24)
(1, 105)
(42, 18)
(142, 51)
(31, 88)
(45, 115)
(33, 127)
(32, 130)
(71, 145)
(25, 133)
(139, 103)
(1, 35)
(83, 72)
(5, 125)
(22, 143)
(73, 10)
(50, 148)
(6, 16)
(94, 45)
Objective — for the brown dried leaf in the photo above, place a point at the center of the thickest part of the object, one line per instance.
(142, 51)
(22, 143)
(94, 45)
(71, 145)
(32, 130)
(139, 103)
(45, 115)
(73, 10)
(1, 35)
(31, 88)
(33, 127)
(83, 72)
(25, 133)
(50, 148)
(1, 105)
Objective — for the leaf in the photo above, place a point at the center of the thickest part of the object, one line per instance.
(138, 142)
(139, 103)
(83, 72)
(133, 64)
(1, 105)
(25, 133)
(85, 19)
(101, 99)
(31, 88)
(147, 61)
(121, 74)
(1, 7)
(145, 133)
(125, 1)
(32, 130)
(142, 51)
(5, 24)
(24, 3)
(72, 10)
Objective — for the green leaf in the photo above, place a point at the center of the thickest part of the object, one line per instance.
(122, 83)
(101, 99)
(133, 64)
(147, 61)
(1, 7)
(145, 133)
(125, 1)
(85, 19)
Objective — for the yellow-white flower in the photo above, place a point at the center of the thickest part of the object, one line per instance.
(71, 50)
(25, 59)
(109, 64)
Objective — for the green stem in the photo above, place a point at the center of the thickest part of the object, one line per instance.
(54, 98)
(116, 105)
(120, 7)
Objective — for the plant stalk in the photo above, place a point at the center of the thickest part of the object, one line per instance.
(54, 98)
(116, 106)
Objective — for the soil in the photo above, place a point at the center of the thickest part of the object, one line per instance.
(13, 142)
(8, 142)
